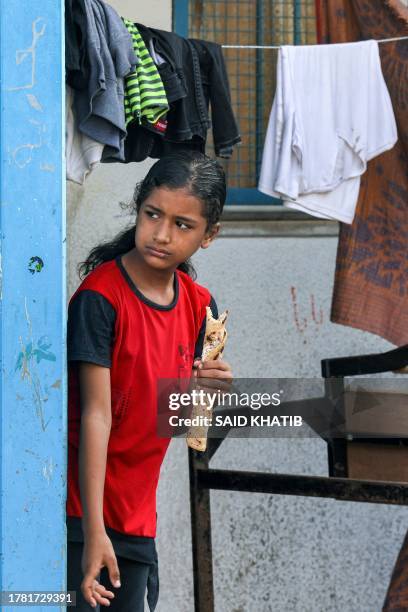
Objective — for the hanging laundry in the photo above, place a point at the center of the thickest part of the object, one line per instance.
(202, 67)
(82, 153)
(214, 79)
(76, 62)
(144, 139)
(331, 114)
(99, 108)
(188, 115)
(171, 74)
(156, 57)
(194, 76)
(145, 96)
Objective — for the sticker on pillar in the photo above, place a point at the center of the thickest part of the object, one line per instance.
(35, 264)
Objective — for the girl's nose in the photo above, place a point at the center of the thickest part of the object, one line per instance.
(162, 233)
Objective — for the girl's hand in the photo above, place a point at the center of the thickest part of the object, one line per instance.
(98, 553)
(218, 370)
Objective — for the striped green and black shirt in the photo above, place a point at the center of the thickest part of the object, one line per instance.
(145, 95)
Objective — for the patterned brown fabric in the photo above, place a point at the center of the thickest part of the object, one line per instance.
(371, 280)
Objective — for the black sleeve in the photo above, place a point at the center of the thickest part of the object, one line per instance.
(91, 328)
(200, 340)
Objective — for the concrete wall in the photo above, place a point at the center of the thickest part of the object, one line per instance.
(277, 553)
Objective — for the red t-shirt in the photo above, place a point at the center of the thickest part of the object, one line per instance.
(150, 342)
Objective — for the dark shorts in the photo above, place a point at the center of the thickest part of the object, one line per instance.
(136, 578)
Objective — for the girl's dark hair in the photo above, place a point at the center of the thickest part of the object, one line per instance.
(202, 176)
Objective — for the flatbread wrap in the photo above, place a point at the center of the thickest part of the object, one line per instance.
(215, 338)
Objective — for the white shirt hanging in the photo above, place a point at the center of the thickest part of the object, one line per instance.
(331, 114)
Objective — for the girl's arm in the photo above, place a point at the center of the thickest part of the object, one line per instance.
(96, 421)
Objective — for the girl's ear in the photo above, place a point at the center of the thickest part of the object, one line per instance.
(210, 235)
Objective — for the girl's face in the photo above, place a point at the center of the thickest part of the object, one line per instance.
(171, 227)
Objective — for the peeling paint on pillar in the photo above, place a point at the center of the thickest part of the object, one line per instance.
(32, 297)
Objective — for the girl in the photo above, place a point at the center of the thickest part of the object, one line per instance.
(137, 317)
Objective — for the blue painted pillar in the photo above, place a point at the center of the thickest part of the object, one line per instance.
(32, 338)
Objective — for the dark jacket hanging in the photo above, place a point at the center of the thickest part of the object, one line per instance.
(194, 76)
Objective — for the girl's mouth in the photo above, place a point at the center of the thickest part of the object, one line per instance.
(161, 254)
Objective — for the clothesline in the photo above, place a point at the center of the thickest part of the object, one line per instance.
(279, 46)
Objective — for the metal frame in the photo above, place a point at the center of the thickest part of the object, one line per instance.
(336, 486)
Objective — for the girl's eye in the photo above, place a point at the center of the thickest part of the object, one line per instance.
(182, 225)
(151, 214)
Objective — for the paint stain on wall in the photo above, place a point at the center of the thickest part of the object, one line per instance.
(47, 167)
(23, 154)
(48, 469)
(30, 356)
(317, 315)
(28, 56)
(314, 316)
(301, 325)
(34, 103)
(39, 352)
